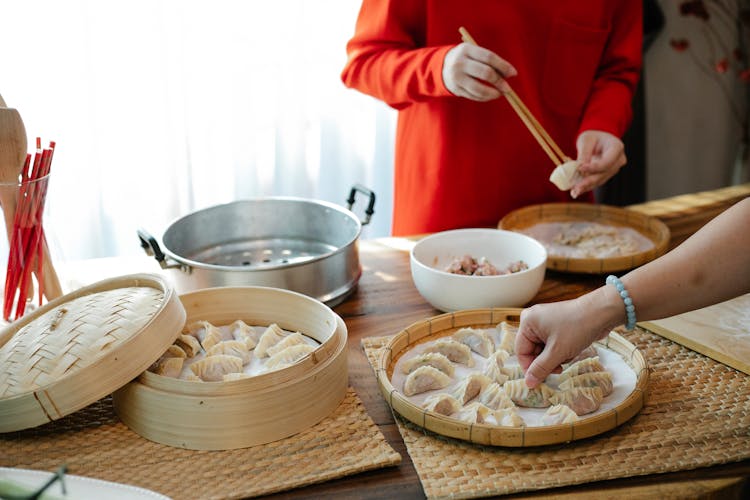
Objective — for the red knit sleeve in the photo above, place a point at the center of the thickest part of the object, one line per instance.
(387, 58)
(609, 105)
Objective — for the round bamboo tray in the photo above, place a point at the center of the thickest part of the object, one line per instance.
(494, 435)
(250, 411)
(82, 346)
(650, 227)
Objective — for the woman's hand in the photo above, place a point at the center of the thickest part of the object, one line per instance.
(601, 155)
(552, 334)
(476, 73)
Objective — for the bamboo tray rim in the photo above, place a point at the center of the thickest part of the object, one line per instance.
(495, 435)
(650, 227)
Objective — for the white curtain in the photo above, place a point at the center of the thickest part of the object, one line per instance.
(163, 107)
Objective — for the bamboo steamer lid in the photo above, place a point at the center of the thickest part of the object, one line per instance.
(83, 346)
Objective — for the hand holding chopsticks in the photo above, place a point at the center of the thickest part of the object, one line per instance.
(540, 134)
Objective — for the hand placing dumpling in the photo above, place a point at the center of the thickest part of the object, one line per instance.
(601, 155)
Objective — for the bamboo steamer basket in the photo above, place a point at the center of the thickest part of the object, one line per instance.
(82, 346)
(495, 435)
(650, 227)
(250, 411)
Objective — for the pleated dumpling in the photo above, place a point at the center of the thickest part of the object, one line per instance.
(494, 368)
(520, 394)
(434, 359)
(507, 334)
(592, 379)
(470, 387)
(213, 368)
(453, 350)
(289, 356)
(565, 175)
(425, 378)
(188, 344)
(270, 337)
(231, 348)
(474, 413)
(559, 414)
(477, 340)
(175, 351)
(244, 333)
(494, 397)
(508, 417)
(513, 372)
(208, 334)
(442, 403)
(586, 365)
(169, 367)
(581, 400)
(295, 338)
(589, 352)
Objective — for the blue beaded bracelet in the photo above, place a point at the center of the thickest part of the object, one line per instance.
(629, 307)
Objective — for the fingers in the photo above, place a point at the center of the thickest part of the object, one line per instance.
(476, 73)
(601, 155)
(541, 367)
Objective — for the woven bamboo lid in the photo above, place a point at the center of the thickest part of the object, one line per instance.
(83, 346)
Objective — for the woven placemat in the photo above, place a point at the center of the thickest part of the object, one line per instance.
(94, 443)
(697, 414)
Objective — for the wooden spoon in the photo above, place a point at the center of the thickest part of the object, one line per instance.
(12, 156)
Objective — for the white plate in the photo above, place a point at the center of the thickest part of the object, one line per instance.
(79, 487)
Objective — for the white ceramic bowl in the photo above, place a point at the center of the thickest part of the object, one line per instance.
(452, 292)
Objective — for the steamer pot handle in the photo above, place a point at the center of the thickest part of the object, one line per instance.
(370, 205)
(150, 246)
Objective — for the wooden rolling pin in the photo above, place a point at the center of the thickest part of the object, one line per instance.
(13, 150)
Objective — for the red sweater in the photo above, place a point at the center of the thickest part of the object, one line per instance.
(461, 163)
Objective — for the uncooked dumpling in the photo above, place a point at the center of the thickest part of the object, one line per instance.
(453, 350)
(477, 340)
(565, 176)
(559, 414)
(213, 368)
(443, 403)
(470, 387)
(425, 378)
(434, 359)
(231, 348)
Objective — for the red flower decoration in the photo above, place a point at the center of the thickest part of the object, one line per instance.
(722, 65)
(694, 8)
(745, 75)
(679, 44)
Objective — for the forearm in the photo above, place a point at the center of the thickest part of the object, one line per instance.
(387, 58)
(609, 106)
(711, 266)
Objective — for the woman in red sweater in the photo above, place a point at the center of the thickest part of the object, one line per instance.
(463, 158)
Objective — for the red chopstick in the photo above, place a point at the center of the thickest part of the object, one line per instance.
(27, 241)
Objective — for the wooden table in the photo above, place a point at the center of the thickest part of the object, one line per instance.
(386, 301)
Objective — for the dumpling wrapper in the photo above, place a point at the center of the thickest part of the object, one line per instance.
(565, 176)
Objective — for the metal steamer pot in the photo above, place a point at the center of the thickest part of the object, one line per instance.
(306, 246)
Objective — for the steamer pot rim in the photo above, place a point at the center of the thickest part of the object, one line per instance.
(249, 269)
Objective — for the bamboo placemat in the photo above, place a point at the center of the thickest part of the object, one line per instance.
(697, 414)
(94, 443)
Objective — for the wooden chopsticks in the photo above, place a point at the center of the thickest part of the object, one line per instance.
(542, 137)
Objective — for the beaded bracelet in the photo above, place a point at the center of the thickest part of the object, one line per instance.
(629, 307)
